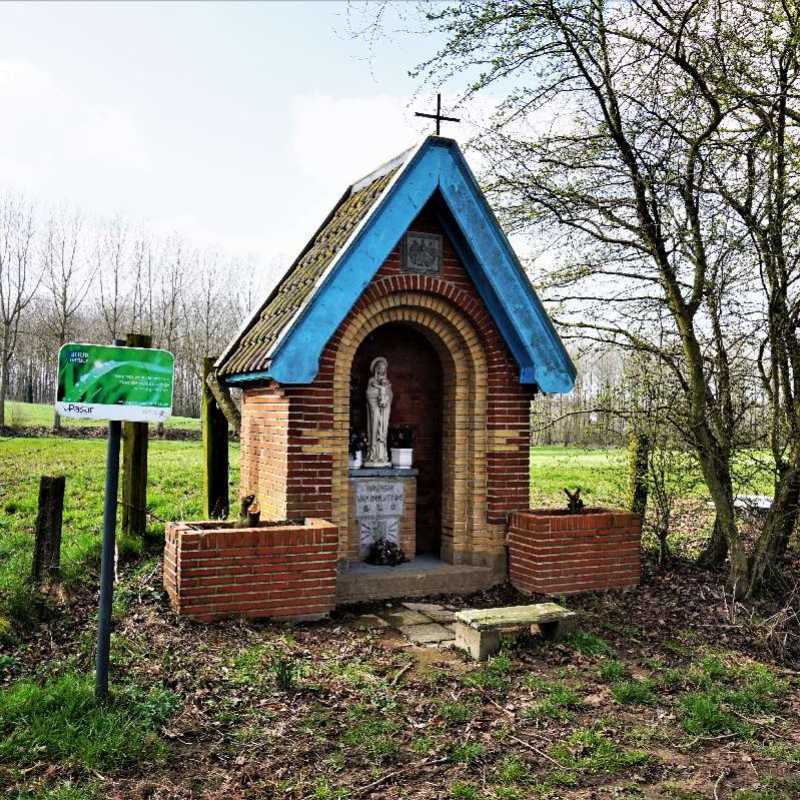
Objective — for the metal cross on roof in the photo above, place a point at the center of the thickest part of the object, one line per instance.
(438, 115)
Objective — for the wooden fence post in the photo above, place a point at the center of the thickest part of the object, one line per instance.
(134, 463)
(47, 547)
(215, 449)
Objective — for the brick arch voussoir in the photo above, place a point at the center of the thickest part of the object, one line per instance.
(465, 302)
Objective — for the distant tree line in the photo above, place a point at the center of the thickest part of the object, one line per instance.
(614, 393)
(65, 276)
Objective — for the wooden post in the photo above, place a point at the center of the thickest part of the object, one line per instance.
(215, 449)
(134, 463)
(47, 547)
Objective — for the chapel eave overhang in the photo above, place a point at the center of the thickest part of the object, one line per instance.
(436, 165)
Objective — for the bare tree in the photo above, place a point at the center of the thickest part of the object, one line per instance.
(141, 289)
(668, 172)
(18, 284)
(65, 276)
(111, 252)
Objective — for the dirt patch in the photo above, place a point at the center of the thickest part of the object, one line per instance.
(368, 715)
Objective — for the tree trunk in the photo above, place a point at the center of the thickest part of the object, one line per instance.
(778, 526)
(215, 448)
(4, 359)
(222, 396)
(638, 458)
(717, 474)
(716, 550)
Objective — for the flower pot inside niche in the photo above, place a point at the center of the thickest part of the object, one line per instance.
(401, 444)
(355, 456)
(402, 457)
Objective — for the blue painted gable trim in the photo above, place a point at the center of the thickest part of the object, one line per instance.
(481, 245)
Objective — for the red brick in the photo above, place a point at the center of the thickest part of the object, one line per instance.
(257, 572)
(562, 554)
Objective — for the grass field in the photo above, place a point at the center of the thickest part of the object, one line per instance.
(175, 481)
(40, 415)
(175, 489)
(601, 475)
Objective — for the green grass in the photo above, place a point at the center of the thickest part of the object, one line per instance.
(633, 692)
(612, 669)
(40, 415)
(560, 700)
(467, 752)
(68, 791)
(601, 474)
(175, 490)
(589, 644)
(726, 696)
(62, 721)
(492, 675)
(372, 734)
(456, 713)
(589, 750)
(460, 790)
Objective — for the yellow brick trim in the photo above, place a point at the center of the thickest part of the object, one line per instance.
(327, 441)
(464, 440)
(503, 441)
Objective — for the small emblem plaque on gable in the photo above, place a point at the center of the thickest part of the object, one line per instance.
(422, 253)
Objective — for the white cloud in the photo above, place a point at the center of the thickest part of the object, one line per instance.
(48, 128)
(329, 150)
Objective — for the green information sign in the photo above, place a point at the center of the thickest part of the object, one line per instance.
(116, 383)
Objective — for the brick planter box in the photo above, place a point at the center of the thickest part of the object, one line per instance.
(553, 552)
(283, 571)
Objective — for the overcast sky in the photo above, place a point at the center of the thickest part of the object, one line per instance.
(237, 124)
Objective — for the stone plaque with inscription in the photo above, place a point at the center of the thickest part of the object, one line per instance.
(379, 506)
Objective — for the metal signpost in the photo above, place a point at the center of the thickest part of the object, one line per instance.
(113, 383)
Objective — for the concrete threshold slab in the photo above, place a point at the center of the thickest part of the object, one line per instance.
(422, 576)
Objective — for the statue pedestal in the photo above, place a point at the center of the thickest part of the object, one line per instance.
(383, 504)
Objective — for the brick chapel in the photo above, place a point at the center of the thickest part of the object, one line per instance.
(410, 266)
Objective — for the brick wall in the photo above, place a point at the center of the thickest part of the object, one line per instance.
(552, 552)
(281, 572)
(304, 486)
(265, 449)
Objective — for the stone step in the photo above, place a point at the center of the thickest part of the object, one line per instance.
(365, 582)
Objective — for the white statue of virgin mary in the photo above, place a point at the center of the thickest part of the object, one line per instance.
(379, 406)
